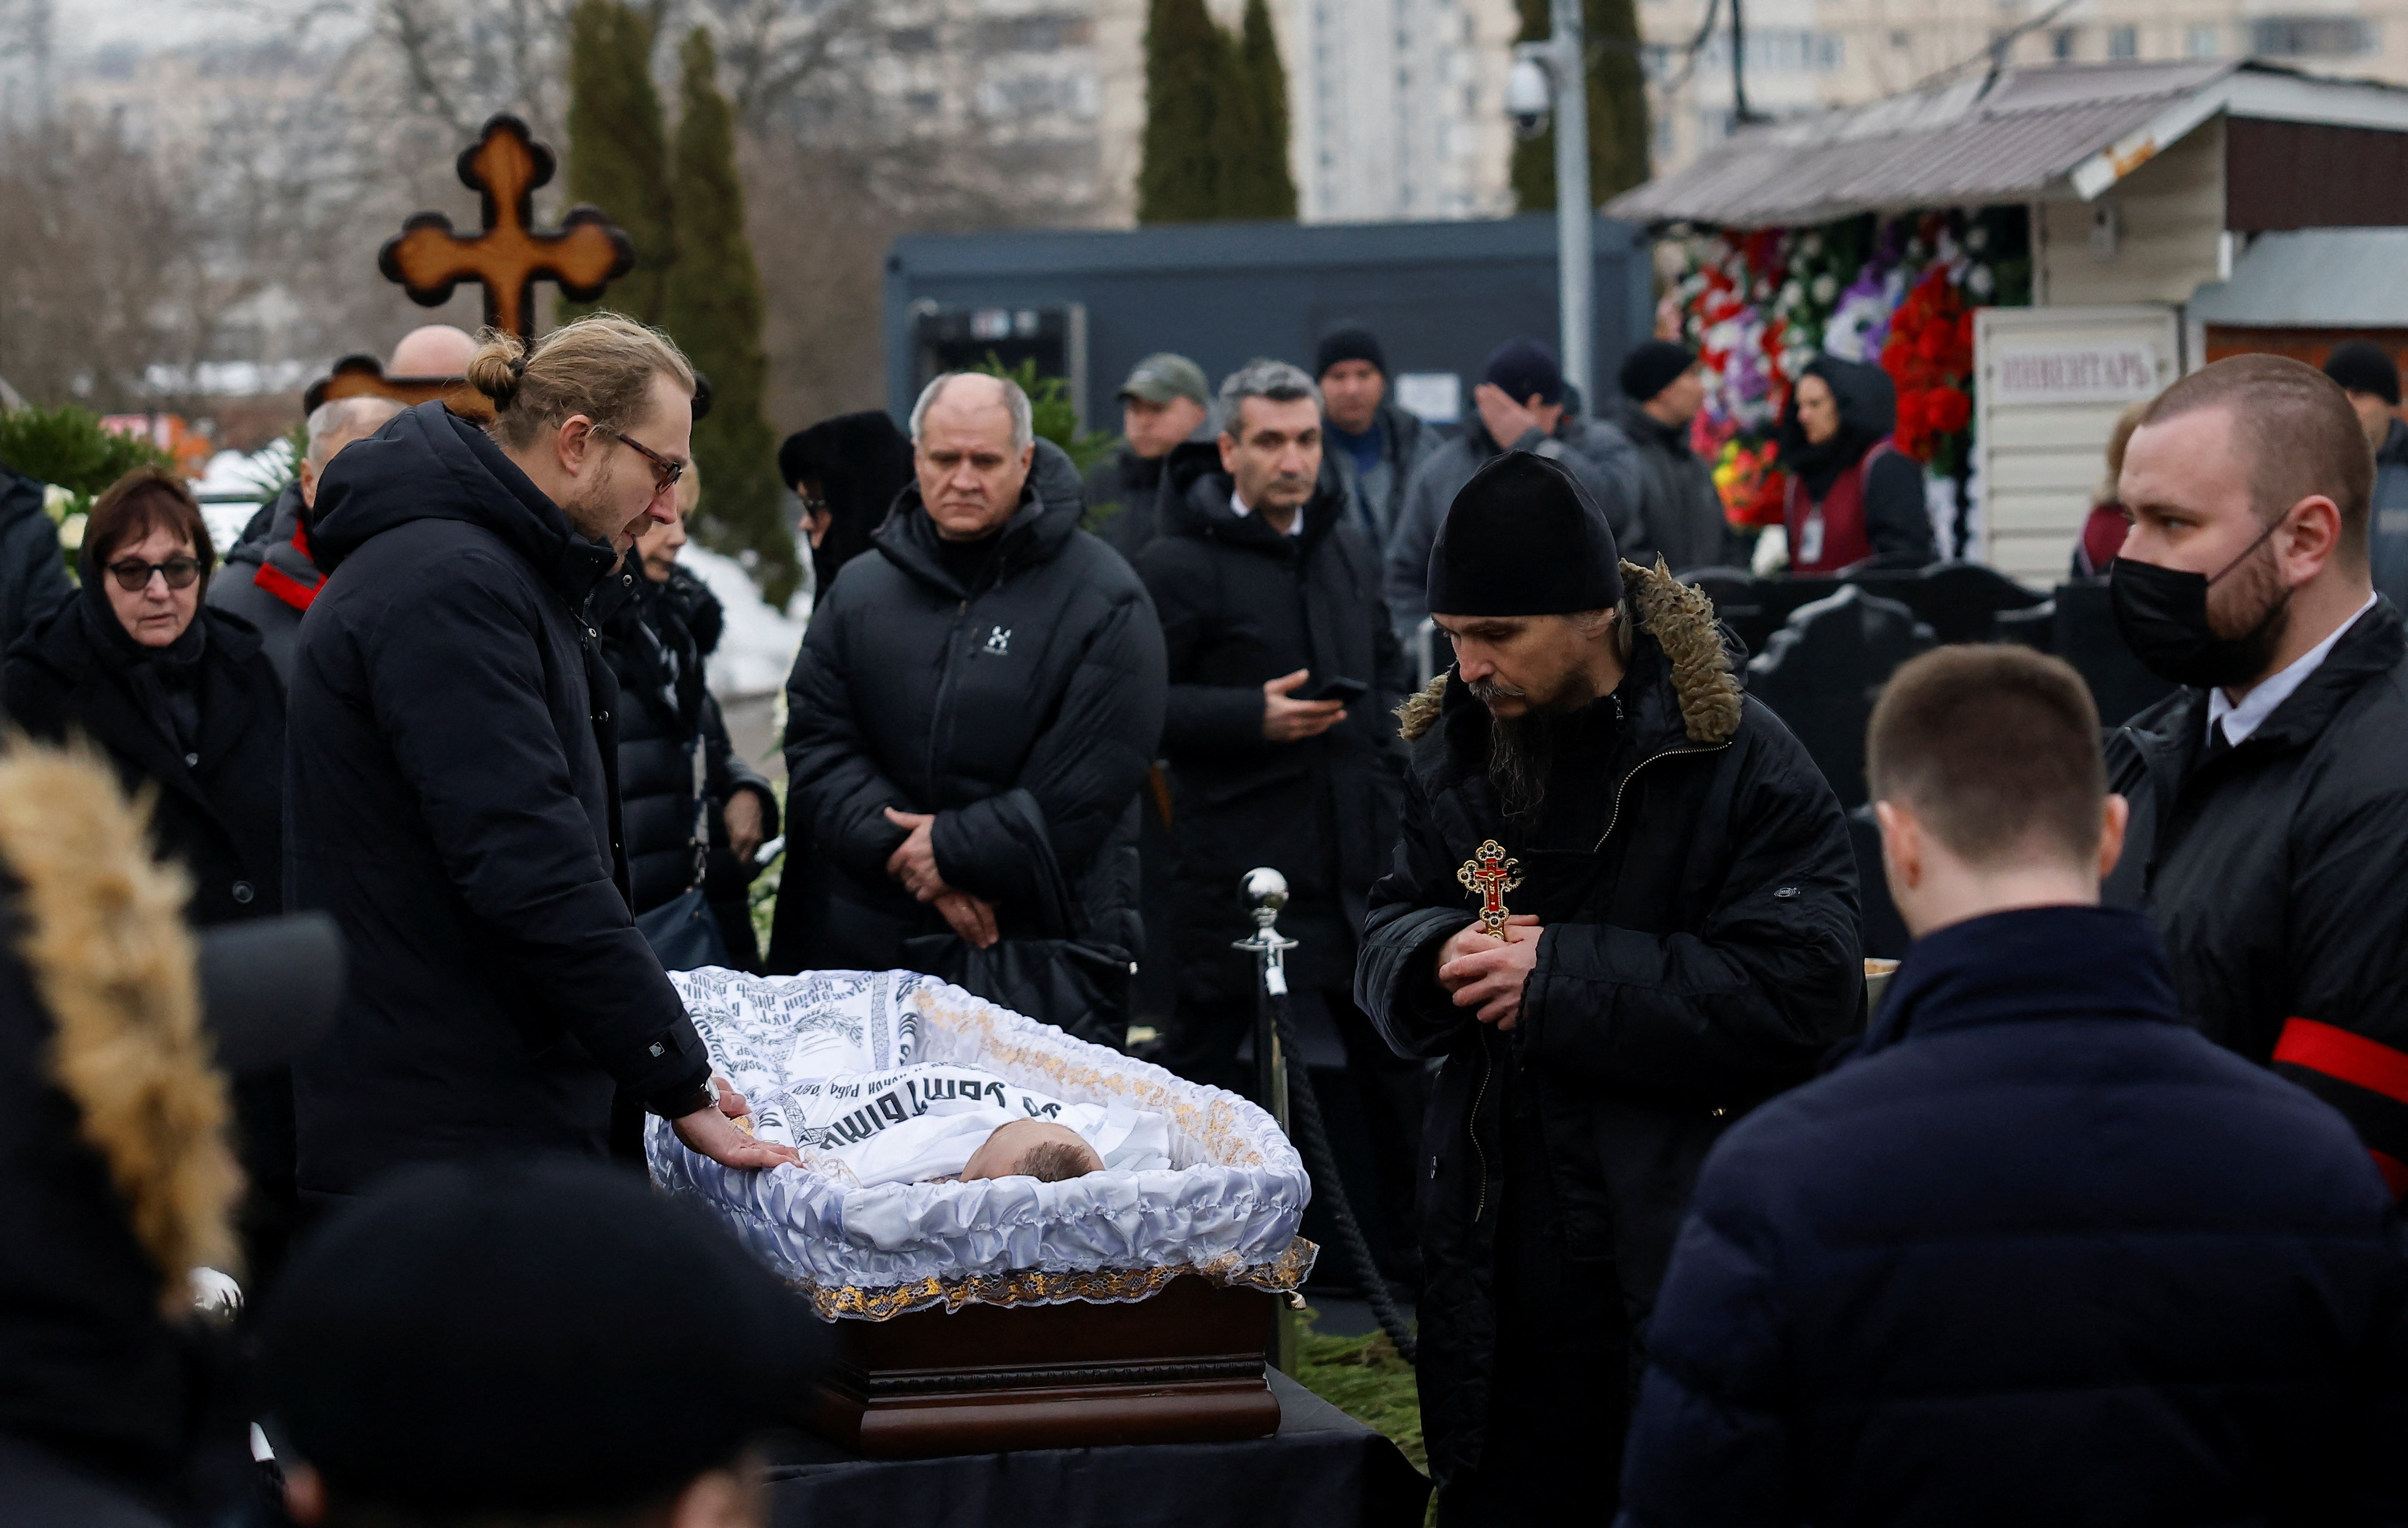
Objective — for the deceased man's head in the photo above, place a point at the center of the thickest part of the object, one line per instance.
(1033, 1148)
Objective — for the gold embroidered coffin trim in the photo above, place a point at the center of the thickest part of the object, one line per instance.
(1033, 1287)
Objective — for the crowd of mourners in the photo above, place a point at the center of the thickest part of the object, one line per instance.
(2090, 1217)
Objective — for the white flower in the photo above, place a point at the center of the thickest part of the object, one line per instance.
(1827, 286)
(1811, 246)
(56, 502)
(1793, 292)
(71, 532)
(1977, 238)
(1980, 282)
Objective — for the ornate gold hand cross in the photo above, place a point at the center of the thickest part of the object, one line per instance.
(1491, 875)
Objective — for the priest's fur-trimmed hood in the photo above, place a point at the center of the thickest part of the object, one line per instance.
(1681, 620)
(102, 934)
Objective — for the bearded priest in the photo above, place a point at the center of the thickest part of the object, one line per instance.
(1624, 912)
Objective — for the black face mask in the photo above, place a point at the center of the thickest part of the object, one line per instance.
(2162, 613)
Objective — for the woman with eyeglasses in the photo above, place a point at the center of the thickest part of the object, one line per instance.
(180, 698)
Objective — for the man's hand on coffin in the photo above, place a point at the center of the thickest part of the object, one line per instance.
(1486, 975)
(715, 1136)
(972, 918)
(731, 1102)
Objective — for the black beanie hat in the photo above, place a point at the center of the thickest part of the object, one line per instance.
(553, 1337)
(1523, 538)
(1653, 366)
(1524, 367)
(2363, 366)
(1348, 342)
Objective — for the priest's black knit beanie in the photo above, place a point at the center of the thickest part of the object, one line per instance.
(553, 1337)
(2363, 366)
(1523, 538)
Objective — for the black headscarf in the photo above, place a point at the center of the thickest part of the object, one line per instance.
(861, 462)
(1867, 414)
(165, 682)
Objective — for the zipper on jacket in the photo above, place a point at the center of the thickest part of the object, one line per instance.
(1615, 816)
(1480, 1202)
(944, 685)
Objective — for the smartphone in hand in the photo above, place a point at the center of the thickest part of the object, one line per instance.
(1338, 688)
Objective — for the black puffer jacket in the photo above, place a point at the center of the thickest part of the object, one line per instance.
(666, 717)
(2035, 1254)
(1240, 604)
(1121, 491)
(220, 807)
(454, 802)
(269, 579)
(1041, 688)
(1700, 957)
(32, 575)
(2278, 872)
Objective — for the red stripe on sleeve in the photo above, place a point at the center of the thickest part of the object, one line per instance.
(284, 586)
(2394, 1170)
(2349, 1058)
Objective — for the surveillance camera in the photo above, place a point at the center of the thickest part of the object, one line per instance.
(1529, 97)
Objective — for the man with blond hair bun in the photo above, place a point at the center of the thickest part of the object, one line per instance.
(451, 783)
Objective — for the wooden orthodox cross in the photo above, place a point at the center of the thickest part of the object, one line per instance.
(1490, 874)
(505, 166)
(585, 254)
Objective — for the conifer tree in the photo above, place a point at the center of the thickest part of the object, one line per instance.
(1187, 69)
(618, 152)
(1252, 126)
(712, 310)
(1617, 108)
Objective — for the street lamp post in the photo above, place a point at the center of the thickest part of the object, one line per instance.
(1553, 75)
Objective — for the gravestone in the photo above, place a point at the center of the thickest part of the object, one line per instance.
(1824, 668)
(2086, 635)
(1962, 601)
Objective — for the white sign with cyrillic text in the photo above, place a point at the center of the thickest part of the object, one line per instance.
(2108, 373)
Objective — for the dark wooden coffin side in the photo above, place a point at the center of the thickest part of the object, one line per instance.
(1184, 1366)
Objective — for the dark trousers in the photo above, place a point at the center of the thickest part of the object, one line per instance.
(1559, 1380)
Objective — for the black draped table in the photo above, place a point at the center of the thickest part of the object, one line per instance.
(1322, 1469)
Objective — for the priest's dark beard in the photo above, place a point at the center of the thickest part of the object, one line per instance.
(1521, 756)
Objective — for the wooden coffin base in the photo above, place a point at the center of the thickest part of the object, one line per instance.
(1184, 1366)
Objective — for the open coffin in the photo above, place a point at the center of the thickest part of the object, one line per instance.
(975, 1316)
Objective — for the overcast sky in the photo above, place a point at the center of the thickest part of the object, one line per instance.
(96, 24)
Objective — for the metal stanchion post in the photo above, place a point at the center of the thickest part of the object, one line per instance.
(1277, 1038)
(1266, 893)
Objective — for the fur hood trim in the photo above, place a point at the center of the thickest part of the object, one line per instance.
(103, 937)
(1682, 620)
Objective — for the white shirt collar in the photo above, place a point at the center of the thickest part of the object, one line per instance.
(2255, 706)
(1295, 526)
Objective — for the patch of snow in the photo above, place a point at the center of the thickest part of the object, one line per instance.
(758, 647)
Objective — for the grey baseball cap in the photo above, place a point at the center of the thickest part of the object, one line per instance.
(1160, 377)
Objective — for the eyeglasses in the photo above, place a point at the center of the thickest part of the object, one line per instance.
(814, 505)
(132, 574)
(665, 472)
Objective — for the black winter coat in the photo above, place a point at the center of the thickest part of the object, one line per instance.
(32, 575)
(1122, 492)
(1240, 604)
(220, 807)
(269, 579)
(1700, 957)
(1041, 689)
(451, 800)
(2036, 1253)
(667, 720)
(2278, 871)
